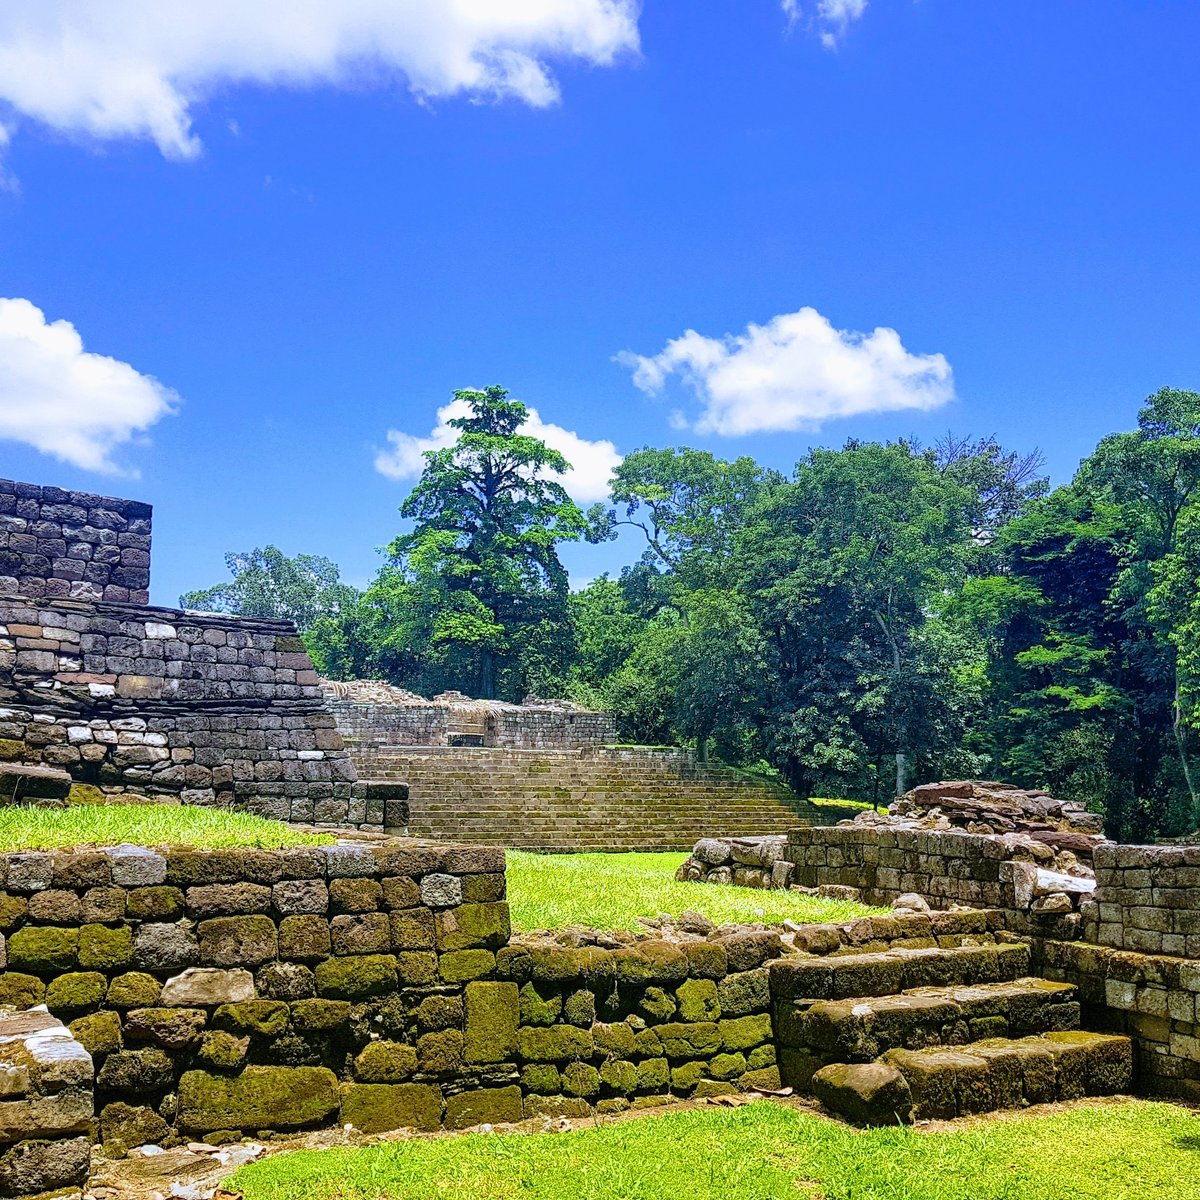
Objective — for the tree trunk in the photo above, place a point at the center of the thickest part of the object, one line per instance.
(487, 676)
(901, 755)
(901, 772)
(1181, 744)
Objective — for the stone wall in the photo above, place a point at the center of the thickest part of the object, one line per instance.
(55, 543)
(1147, 899)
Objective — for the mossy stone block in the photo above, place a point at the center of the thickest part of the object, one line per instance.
(764, 1079)
(13, 910)
(86, 793)
(483, 889)
(580, 1079)
(357, 976)
(104, 947)
(440, 1012)
(619, 1076)
(559, 1043)
(12, 750)
(412, 929)
(653, 1075)
(461, 966)
(222, 1051)
(355, 895)
(580, 1008)
(385, 1062)
(685, 1077)
(539, 1007)
(416, 967)
(134, 989)
(76, 991)
(697, 1000)
(156, 903)
(98, 1033)
(650, 962)
(657, 1004)
(727, 1066)
(259, 1097)
(542, 1078)
(714, 1087)
(699, 1038)
(382, 1107)
(761, 1056)
(304, 938)
(136, 1072)
(614, 1041)
(44, 949)
(492, 1013)
(320, 1016)
(707, 960)
(744, 1033)
(174, 1028)
(401, 891)
(245, 941)
(483, 1106)
(261, 1018)
(440, 1053)
(744, 993)
(124, 1125)
(473, 927)
(556, 1106)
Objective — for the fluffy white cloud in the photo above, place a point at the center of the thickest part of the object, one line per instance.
(831, 20)
(65, 401)
(592, 463)
(135, 68)
(795, 372)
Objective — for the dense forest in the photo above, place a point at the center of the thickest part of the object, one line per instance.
(884, 615)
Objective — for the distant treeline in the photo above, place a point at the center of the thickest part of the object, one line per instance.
(885, 615)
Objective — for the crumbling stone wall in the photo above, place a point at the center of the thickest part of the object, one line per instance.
(1147, 899)
(56, 543)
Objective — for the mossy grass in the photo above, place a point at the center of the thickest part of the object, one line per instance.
(1123, 1150)
(611, 891)
(28, 828)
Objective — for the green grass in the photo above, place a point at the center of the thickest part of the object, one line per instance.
(146, 824)
(610, 891)
(1117, 1151)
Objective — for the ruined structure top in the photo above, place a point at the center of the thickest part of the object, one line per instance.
(56, 544)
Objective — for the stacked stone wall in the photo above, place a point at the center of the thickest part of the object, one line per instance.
(1147, 899)
(57, 543)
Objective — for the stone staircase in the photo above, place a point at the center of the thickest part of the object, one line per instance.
(936, 1033)
(568, 800)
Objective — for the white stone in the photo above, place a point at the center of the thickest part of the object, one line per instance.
(101, 689)
(135, 866)
(160, 629)
(78, 733)
(205, 986)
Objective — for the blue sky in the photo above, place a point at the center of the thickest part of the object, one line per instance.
(313, 245)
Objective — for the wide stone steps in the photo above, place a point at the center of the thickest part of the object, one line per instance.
(936, 1033)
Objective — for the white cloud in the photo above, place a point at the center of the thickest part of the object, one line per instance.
(592, 463)
(795, 372)
(831, 20)
(136, 68)
(65, 401)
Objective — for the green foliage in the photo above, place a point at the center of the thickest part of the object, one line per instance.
(266, 583)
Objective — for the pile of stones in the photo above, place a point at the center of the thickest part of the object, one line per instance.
(756, 862)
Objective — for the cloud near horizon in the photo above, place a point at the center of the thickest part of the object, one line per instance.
(132, 69)
(63, 400)
(592, 463)
(794, 373)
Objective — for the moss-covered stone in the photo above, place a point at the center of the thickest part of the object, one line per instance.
(356, 977)
(385, 1062)
(401, 891)
(257, 1098)
(764, 1079)
(614, 1041)
(473, 927)
(653, 1075)
(76, 992)
(647, 1043)
(440, 1053)
(539, 1007)
(699, 1038)
(744, 1033)
(744, 993)
(412, 929)
(134, 989)
(492, 1011)
(656, 1004)
(559, 1043)
(714, 1087)
(136, 1072)
(440, 1012)
(556, 1106)
(706, 960)
(355, 895)
(13, 910)
(461, 966)
(43, 949)
(156, 903)
(480, 1106)
(304, 938)
(727, 1066)
(103, 904)
(320, 1016)
(361, 933)
(260, 1018)
(650, 962)
(542, 1078)
(483, 889)
(416, 967)
(382, 1107)
(580, 1079)
(619, 1076)
(98, 1033)
(580, 1008)
(245, 941)
(85, 793)
(124, 1126)
(104, 947)
(222, 1051)
(761, 1056)
(12, 750)
(685, 1076)
(697, 1000)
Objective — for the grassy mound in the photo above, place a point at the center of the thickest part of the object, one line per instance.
(610, 891)
(1125, 1150)
(146, 824)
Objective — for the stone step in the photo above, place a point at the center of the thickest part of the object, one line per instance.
(863, 1028)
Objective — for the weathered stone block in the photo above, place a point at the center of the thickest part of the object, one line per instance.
(473, 926)
(382, 1107)
(259, 1097)
(357, 976)
(492, 1011)
(238, 941)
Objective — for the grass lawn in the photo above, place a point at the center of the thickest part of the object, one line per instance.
(1117, 1151)
(610, 891)
(146, 824)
